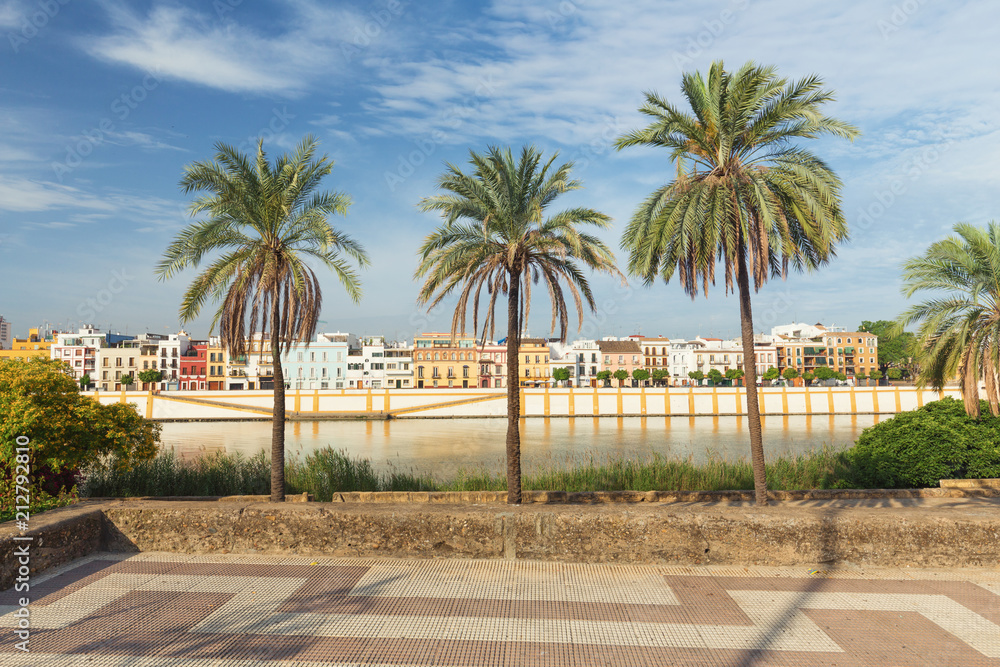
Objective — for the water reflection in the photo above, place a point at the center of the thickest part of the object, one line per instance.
(442, 446)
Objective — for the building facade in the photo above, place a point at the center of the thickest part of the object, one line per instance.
(441, 361)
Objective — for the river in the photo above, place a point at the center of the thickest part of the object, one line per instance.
(443, 446)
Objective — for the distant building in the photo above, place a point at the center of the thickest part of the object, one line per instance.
(493, 365)
(807, 348)
(319, 365)
(534, 362)
(441, 361)
(32, 346)
(618, 355)
(5, 334)
(194, 367)
(79, 351)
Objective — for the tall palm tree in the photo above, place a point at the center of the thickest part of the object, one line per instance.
(267, 221)
(744, 194)
(959, 328)
(496, 236)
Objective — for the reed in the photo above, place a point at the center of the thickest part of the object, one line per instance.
(328, 471)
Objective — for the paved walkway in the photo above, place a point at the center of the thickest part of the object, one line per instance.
(150, 609)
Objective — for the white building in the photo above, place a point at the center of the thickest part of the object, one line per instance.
(368, 363)
(169, 352)
(79, 350)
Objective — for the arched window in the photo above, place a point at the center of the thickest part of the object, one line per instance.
(436, 357)
(453, 356)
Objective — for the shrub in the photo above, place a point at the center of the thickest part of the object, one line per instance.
(919, 448)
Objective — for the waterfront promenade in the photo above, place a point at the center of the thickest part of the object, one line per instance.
(166, 610)
(542, 402)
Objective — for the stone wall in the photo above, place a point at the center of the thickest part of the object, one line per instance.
(950, 530)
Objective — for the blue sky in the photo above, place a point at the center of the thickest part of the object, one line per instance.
(104, 103)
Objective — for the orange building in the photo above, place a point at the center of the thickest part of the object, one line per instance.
(443, 361)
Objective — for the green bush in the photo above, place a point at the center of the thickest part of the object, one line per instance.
(919, 448)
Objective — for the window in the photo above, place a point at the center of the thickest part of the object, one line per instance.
(527, 359)
(420, 371)
(312, 356)
(298, 357)
(312, 372)
(325, 359)
(323, 373)
(465, 371)
(607, 359)
(436, 357)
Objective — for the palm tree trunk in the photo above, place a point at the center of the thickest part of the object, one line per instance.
(513, 391)
(278, 415)
(750, 371)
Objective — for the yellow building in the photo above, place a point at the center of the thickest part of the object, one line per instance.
(32, 346)
(847, 352)
(441, 361)
(534, 362)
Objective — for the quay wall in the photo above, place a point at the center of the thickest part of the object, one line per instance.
(561, 402)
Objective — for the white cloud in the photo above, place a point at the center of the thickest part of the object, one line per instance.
(11, 14)
(21, 194)
(218, 51)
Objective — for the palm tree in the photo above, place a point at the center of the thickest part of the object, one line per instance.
(959, 328)
(743, 194)
(496, 237)
(268, 221)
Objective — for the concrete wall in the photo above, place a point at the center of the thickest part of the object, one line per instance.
(534, 402)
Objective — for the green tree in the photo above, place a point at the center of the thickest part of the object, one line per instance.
(268, 221)
(734, 375)
(65, 429)
(714, 376)
(895, 347)
(661, 376)
(808, 377)
(85, 381)
(151, 375)
(744, 193)
(604, 377)
(770, 374)
(841, 376)
(698, 376)
(824, 373)
(790, 374)
(496, 237)
(560, 374)
(860, 376)
(875, 375)
(894, 374)
(958, 326)
(640, 374)
(621, 375)
(127, 380)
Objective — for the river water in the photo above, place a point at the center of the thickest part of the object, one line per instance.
(442, 446)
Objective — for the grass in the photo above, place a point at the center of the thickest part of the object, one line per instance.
(8, 509)
(328, 471)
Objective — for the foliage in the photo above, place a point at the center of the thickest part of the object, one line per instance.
(744, 193)
(770, 374)
(127, 380)
(714, 375)
(958, 326)
(85, 381)
(875, 375)
(841, 376)
(640, 374)
(266, 223)
(734, 374)
(151, 375)
(696, 375)
(496, 237)
(895, 347)
(217, 474)
(603, 376)
(894, 374)
(65, 430)
(808, 377)
(919, 448)
(825, 373)
(661, 375)
(860, 375)
(790, 373)
(621, 375)
(560, 374)
(327, 471)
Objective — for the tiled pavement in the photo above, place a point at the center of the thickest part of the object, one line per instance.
(160, 610)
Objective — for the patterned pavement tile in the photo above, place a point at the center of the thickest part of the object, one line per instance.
(162, 610)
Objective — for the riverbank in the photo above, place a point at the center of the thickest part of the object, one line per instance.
(382, 404)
